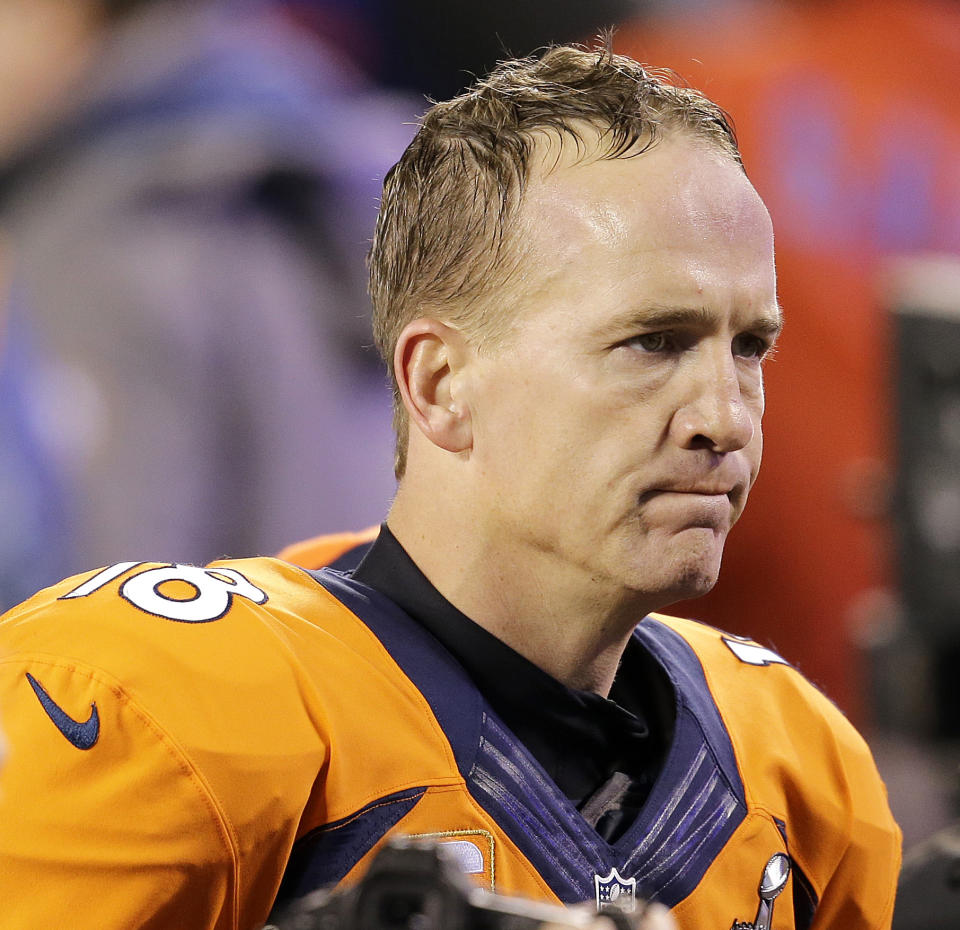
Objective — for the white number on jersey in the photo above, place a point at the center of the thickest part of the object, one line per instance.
(753, 653)
(213, 590)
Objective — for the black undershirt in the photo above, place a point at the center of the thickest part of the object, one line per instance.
(604, 754)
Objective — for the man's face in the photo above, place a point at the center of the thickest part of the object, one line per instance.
(617, 430)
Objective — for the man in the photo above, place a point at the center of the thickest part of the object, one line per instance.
(574, 290)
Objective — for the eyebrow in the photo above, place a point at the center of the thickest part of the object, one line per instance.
(665, 316)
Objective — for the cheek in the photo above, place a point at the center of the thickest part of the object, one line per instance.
(513, 440)
(541, 459)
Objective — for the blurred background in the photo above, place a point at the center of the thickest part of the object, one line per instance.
(187, 190)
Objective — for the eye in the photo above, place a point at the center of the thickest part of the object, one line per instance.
(652, 342)
(748, 345)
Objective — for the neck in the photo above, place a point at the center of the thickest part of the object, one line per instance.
(571, 625)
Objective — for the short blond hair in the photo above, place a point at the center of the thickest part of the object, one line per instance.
(443, 243)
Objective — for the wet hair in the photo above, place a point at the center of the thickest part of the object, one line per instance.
(445, 241)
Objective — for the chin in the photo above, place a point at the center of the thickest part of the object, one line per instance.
(694, 581)
(677, 582)
(678, 576)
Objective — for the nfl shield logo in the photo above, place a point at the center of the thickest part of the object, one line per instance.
(616, 892)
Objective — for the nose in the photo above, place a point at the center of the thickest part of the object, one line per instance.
(714, 413)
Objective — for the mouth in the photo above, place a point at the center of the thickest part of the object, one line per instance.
(706, 491)
(709, 507)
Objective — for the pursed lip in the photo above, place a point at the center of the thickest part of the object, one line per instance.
(728, 491)
(711, 507)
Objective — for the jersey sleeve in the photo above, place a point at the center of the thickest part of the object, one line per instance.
(104, 818)
(859, 893)
(143, 784)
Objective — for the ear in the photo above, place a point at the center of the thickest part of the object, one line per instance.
(427, 363)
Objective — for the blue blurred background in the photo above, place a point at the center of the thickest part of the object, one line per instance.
(187, 190)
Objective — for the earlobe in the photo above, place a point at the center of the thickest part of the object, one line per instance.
(428, 363)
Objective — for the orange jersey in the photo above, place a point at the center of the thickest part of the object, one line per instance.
(186, 744)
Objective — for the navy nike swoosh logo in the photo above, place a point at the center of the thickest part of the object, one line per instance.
(82, 735)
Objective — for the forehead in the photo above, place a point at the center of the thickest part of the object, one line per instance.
(675, 163)
(681, 215)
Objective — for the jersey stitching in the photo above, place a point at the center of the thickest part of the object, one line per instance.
(471, 831)
(452, 784)
(182, 759)
(366, 808)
